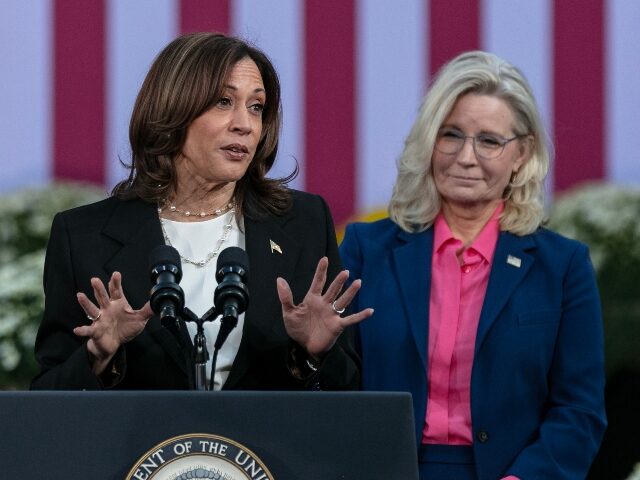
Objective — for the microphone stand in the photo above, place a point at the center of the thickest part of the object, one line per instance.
(200, 351)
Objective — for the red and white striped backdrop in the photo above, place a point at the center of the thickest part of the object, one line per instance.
(352, 72)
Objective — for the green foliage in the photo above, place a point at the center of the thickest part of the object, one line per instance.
(25, 220)
(607, 219)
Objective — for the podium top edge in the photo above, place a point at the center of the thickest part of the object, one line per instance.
(189, 393)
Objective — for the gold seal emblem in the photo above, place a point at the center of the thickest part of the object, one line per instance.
(199, 456)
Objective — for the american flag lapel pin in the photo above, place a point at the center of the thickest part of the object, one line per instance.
(275, 247)
(515, 261)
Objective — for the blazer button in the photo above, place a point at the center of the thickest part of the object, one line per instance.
(483, 436)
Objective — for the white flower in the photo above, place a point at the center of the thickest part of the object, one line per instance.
(9, 355)
(601, 215)
(25, 220)
(9, 323)
(23, 277)
(27, 336)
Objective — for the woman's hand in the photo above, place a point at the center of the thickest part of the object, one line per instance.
(113, 321)
(316, 323)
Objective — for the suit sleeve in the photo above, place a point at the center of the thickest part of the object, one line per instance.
(62, 356)
(572, 428)
(352, 260)
(351, 256)
(340, 369)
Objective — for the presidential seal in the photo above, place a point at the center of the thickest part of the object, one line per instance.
(199, 456)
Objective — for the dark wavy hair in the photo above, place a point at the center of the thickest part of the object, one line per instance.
(186, 79)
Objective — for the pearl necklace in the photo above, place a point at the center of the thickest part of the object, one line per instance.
(215, 213)
(211, 255)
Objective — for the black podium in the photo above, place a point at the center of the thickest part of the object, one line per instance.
(297, 435)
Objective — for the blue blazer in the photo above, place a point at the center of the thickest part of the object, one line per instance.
(537, 383)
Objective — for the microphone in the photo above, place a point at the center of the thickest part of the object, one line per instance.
(231, 296)
(167, 297)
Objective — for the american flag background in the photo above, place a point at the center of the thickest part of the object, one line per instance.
(353, 73)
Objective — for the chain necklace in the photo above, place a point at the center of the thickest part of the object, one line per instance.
(187, 213)
(211, 255)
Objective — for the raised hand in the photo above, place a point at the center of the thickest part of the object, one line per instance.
(113, 321)
(315, 323)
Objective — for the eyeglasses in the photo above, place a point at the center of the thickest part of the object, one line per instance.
(485, 145)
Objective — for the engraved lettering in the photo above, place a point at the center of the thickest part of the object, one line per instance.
(216, 448)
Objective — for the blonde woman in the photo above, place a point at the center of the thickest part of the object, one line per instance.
(491, 321)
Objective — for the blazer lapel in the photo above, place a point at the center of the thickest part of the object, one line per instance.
(412, 268)
(510, 265)
(135, 225)
(272, 253)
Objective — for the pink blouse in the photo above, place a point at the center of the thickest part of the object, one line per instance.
(458, 286)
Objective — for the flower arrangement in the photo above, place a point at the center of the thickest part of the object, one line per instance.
(607, 219)
(25, 217)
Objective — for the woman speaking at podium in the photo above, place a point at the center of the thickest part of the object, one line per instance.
(491, 321)
(204, 134)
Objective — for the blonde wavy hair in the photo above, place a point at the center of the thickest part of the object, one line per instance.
(415, 201)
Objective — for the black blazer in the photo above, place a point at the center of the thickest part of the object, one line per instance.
(117, 235)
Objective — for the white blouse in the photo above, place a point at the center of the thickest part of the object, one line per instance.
(195, 240)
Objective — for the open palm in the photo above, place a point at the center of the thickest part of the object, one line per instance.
(315, 323)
